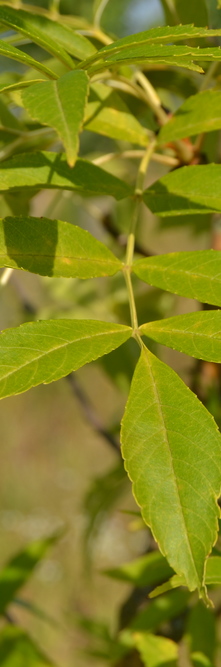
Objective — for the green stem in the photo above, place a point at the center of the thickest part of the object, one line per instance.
(131, 237)
(99, 12)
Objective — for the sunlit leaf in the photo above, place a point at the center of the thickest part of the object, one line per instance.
(107, 114)
(196, 334)
(196, 275)
(199, 113)
(51, 171)
(194, 189)
(45, 351)
(172, 452)
(156, 651)
(61, 105)
(53, 248)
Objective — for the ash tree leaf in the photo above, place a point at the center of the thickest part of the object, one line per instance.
(31, 25)
(160, 35)
(48, 350)
(18, 570)
(9, 51)
(54, 248)
(18, 649)
(212, 577)
(196, 274)
(144, 571)
(172, 451)
(201, 631)
(107, 114)
(196, 334)
(47, 170)
(161, 610)
(152, 51)
(60, 104)
(199, 113)
(189, 190)
(156, 651)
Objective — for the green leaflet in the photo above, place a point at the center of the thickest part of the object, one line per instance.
(50, 170)
(18, 649)
(15, 54)
(45, 351)
(53, 248)
(159, 611)
(189, 190)
(169, 61)
(61, 105)
(157, 35)
(156, 651)
(196, 334)
(107, 114)
(31, 26)
(172, 452)
(143, 571)
(18, 570)
(199, 113)
(51, 35)
(152, 51)
(196, 274)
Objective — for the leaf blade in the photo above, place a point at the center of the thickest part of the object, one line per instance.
(153, 426)
(199, 113)
(189, 190)
(47, 350)
(54, 248)
(107, 114)
(196, 334)
(61, 105)
(50, 170)
(9, 51)
(194, 274)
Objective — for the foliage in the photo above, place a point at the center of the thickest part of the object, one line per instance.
(171, 445)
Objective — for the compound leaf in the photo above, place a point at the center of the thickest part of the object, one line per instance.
(196, 334)
(199, 113)
(172, 452)
(51, 171)
(189, 190)
(45, 351)
(196, 275)
(61, 105)
(54, 248)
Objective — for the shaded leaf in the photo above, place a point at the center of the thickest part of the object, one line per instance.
(194, 189)
(172, 452)
(107, 114)
(50, 170)
(61, 105)
(17, 650)
(161, 610)
(9, 51)
(144, 571)
(196, 275)
(38, 29)
(193, 11)
(201, 631)
(199, 113)
(198, 659)
(99, 500)
(53, 248)
(18, 570)
(45, 351)
(196, 334)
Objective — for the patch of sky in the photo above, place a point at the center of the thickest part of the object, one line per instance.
(144, 14)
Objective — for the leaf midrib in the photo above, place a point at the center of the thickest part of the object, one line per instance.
(158, 403)
(76, 340)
